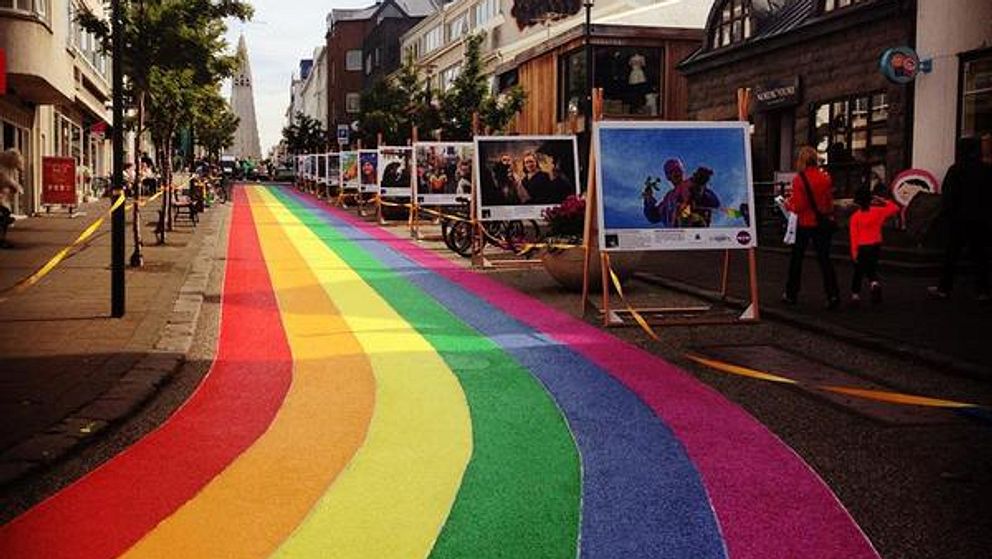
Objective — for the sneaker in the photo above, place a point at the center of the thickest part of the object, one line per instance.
(936, 292)
(876, 292)
(788, 300)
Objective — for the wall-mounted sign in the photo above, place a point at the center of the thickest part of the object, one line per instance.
(58, 181)
(911, 182)
(343, 133)
(774, 94)
(900, 65)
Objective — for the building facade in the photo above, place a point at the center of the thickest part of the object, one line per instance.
(313, 90)
(813, 68)
(958, 44)
(381, 48)
(57, 95)
(346, 32)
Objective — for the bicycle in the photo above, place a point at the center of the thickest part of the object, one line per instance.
(511, 235)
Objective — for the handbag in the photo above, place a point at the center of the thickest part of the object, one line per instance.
(824, 222)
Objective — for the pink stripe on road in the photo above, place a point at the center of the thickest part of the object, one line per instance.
(768, 501)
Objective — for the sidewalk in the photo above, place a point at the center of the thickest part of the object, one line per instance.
(908, 322)
(67, 369)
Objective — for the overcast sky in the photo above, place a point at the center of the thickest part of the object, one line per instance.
(281, 33)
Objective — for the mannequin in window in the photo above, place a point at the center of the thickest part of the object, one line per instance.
(637, 82)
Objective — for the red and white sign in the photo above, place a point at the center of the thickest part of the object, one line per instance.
(3, 72)
(58, 181)
(911, 182)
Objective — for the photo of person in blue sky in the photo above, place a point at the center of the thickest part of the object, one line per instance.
(676, 177)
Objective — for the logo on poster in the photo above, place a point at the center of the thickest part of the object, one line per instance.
(744, 237)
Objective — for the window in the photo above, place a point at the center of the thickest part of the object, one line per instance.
(353, 103)
(831, 5)
(485, 11)
(458, 27)
(448, 76)
(734, 24)
(976, 95)
(353, 60)
(630, 78)
(851, 135)
(433, 39)
(34, 7)
(368, 64)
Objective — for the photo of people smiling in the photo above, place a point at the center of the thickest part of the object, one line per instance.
(444, 172)
(520, 176)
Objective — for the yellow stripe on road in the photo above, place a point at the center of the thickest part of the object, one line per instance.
(396, 494)
(256, 502)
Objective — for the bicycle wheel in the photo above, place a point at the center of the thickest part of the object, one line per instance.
(517, 234)
(458, 237)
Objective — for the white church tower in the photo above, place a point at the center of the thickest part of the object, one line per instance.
(246, 144)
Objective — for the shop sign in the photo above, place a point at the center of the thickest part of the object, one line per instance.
(3, 72)
(775, 94)
(58, 181)
(900, 65)
(911, 182)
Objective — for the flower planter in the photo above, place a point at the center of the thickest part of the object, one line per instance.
(565, 266)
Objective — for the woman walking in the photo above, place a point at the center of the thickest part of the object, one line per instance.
(812, 201)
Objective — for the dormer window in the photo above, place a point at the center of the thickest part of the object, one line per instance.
(831, 5)
(734, 23)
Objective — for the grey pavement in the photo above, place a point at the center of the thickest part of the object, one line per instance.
(951, 333)
(68, 370)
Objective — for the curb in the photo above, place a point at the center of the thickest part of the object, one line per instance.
(135, 387)
(871, 342)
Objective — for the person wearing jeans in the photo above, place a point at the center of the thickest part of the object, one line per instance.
(812, 201)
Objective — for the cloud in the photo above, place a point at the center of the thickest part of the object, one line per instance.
(279, 35)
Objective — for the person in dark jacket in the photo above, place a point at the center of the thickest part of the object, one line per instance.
(810, 178)
(967, 196)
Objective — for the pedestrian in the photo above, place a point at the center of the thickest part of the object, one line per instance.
(865, 230)
(11, 166)
(812, 201)
(966, 197)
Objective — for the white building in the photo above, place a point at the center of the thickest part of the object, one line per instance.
(58, 91)
(954, 100)
(246, 144)
(313, 89)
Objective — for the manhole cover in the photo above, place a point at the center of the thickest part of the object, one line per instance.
(810, 373)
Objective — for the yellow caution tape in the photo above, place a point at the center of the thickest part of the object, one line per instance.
(637, 316)
(62, 254)
(865, 393)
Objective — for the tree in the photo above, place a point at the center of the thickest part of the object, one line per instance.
(305, 135)
(163, 35)
(470, 94)
(214, 123)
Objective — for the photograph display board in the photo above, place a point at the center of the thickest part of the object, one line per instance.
(368, 170)
(395, 171)
(444, 172)
(349, 170)
(322, 168)
(674, 185)
(333, 170)
(520, 176)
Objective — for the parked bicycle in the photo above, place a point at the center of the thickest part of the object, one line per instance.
(510, 235)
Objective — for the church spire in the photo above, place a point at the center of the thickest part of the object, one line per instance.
(246, 144)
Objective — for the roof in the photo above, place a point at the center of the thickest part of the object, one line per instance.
(772, 19)
(354, 14)
(418, 8)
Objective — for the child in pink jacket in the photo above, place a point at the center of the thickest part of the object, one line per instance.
(866, 241)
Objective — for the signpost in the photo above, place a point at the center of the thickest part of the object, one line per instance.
(343, 134)
(58, 181)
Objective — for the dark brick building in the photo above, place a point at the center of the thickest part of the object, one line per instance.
(346, 31)
(381, 48)
(813, 68)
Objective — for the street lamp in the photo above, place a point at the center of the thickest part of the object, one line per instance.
(588, 36)
(117, 226)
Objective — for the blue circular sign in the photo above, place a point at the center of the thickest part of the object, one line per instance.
(900, 65)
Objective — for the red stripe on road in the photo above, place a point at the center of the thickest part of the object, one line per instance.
(107, 511)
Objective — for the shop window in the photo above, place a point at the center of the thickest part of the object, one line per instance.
(733, 25)
(831, 5)
(976, 96)
(630, 78)
(851, 135)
